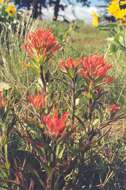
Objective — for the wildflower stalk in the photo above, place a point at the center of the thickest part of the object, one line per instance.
(43, 78)
(73, 98)
(51, 181)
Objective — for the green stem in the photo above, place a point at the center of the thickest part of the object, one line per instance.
(43, 78)
(73, 99)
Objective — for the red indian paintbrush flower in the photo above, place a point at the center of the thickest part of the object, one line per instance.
(40, 43)
(94, 67)
(55, 124)
(65, 65)
(114, 108)
(37, 101)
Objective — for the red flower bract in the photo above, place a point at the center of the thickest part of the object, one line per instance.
(40, 43)
(37, 101)
(69, 64)
(55, 124)
(94, 67)
(114, 108)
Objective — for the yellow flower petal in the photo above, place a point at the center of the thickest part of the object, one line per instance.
(95, 19)
(117, 8)
(1, 1)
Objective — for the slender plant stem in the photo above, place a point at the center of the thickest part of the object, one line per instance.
(73, 99)
(43, 78)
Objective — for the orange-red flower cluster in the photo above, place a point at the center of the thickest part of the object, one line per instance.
(94, 67)
(37, 101)
(70, 63)
(90, 68)
(40, 43)
(114, 108)
(55, 125)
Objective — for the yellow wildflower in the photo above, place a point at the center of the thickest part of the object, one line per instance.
(1, 1)
(95, 19)
(117, 8)
(11, 10)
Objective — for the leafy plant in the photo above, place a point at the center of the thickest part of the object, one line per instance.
(54, 116)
